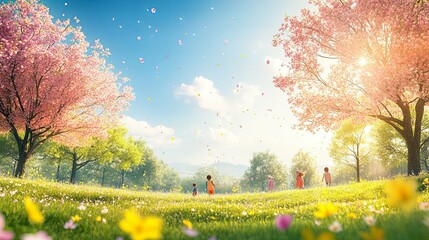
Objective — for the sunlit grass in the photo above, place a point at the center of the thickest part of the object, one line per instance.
(236, 216)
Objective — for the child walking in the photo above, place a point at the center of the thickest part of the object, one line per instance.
(270, 183)
(194, 190)
(299, 180)
(210, 186)
(327, 177)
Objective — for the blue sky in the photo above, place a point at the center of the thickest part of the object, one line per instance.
(202, 74)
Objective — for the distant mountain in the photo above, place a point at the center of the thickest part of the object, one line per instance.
(224, 169)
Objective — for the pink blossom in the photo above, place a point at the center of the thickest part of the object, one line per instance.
(5, 235)
(283, 222)
(70, 225)
(190, 232)
(41, 235)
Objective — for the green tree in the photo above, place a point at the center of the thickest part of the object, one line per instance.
(8, 153)
(304, 162)
(349, 146)
(262, 165)
(390, 148)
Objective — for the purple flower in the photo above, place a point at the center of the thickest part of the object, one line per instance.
(190, 232)
(283, 222)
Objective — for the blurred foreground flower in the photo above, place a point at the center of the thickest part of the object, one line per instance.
(326, 210)
(187, 229)
(373, 234)
(335, 227)
(5, 235)
(283, 222)
(307, 234)
(34, 214)
(37, 236)
(140, 228)
(70, 225)
(402, 193)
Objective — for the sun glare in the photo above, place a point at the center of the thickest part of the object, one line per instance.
(362, 61)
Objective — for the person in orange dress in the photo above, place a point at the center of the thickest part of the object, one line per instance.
(210, 185)
(299, 180)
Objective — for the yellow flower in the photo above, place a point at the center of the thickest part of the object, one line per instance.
(98, 219)
(326, 210)
(76, 218)
(308, 235)
(187, 224)
(352, 215)
(402, 193)
(140, 228)
(34, 214)
(426, 181)
(373, 234)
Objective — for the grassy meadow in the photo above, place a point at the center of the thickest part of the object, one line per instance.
(362, 210)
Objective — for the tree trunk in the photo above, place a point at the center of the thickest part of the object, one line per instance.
(103, 176)
(57, 174)
(414, 167)
(74, 168)
(122, 178)
(357, 169)
(20, 166)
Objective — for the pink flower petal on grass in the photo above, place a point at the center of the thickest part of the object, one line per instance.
(283, 222)
(190, 232)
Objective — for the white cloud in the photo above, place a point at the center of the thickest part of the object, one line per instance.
(222, 135)
(205, 94)
(155, 136)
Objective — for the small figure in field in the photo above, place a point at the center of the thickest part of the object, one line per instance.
(194, 190)
(210, 186)
(327, 177)
(271, 183)
(299, 180)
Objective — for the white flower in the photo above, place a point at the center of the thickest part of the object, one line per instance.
(104, 210)
(370, 220)
(70, 225)
(81, 207)
(317, 222)
(244, 213)
(335, 227)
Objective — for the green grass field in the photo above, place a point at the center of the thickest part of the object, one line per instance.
(238, 216)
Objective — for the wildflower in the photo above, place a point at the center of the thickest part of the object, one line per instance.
(41, 235)
(326, 210)
(187, 224)
(335, 227)
(104, 210)
(190, 232)
(34, 214)
(402, 193)
(100, 219)
(70, 225)
(317, 222)
(424, 206)
(426, 181)
(76, 218)
(244, 213)
(370, 220)
(308, 235)
(283, 222)
(373, 234)
(81, 207)
(352, 215)
(5, 235)
(140, 228)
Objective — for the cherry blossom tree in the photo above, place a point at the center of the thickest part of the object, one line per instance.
(359, 58)
(53, 84)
